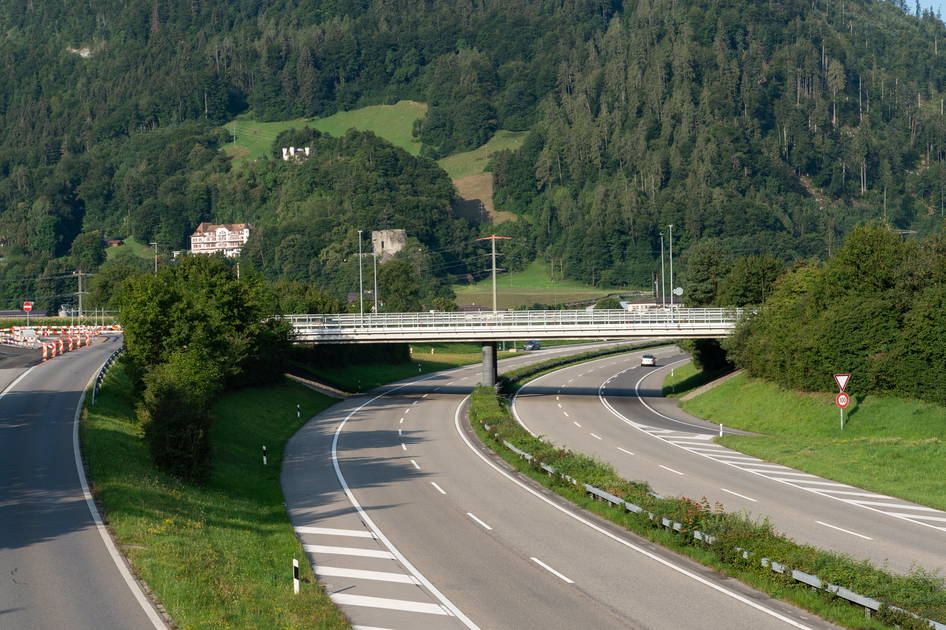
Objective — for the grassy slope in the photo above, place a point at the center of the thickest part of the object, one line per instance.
(687, 377)
(140, 249)
(218, 556)
(391, 122)
(532, 284)
(474, 162)
(889, 445)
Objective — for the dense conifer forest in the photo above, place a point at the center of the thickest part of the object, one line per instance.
(773, 127)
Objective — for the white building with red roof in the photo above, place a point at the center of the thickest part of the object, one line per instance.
(229, 238)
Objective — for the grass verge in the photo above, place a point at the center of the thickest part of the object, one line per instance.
(217, 556)
(919, 592)
(394, 123)
(889, 445)
(686, 378)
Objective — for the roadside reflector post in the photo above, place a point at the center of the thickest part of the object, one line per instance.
(264, 455)
(295, 576)
(720, 429)
(298, 411)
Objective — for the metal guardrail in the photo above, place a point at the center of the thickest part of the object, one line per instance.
(490, 325)
(104, 370)
(869, 603)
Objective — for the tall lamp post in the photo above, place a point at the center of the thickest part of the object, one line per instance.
(663, 279)
(361, 283)
(672, 293)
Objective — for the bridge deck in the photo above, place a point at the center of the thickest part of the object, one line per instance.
(511, 325)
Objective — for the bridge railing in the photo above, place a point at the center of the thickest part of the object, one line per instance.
(524, 319)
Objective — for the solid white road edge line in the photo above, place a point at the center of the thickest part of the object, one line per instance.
(618, 539)
(846, 531)
(824, 492)
(552, 571)
(473, 516)
(446, 603)
(742, 496)
(117, 558)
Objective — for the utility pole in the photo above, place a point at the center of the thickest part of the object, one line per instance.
(155, 256)
(671, 265)
(494, 238)
(361, 283)
(663, 287)
(79, 294)
(374, 263)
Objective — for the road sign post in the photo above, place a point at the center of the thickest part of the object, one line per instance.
(842, 399)
(27, 306)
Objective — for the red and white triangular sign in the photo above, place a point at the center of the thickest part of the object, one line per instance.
(842, 380)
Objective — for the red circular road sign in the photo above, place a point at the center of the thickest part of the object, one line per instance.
(27, 306)
(842, 400)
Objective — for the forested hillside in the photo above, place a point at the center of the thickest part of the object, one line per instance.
(775, 126)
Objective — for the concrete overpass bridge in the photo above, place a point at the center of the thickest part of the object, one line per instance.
(488, 327)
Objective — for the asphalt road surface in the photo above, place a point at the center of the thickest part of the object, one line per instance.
(56, 570)
(612, 408)
(409, 525)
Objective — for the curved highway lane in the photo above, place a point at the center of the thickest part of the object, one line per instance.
(56, 567)
(409, 525)
(612, 408)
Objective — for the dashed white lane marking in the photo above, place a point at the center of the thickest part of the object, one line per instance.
(400, 431)
(741, 496)
(414, 403)
(415, 464)
(597, 437)
(846, 531)
(332, 531)
(382, 576)
(559, 405)
(566, 414)
(558, 397)
(439, 489)
(403, 447)
(401, 420)
(576, 424)
(407, 411)
(625, 451)
(349, 551)
(670, 469)
(345, 599)
(552, 571)
(425, 395)
(473, 516)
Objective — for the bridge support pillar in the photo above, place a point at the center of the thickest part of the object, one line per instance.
(489, 364)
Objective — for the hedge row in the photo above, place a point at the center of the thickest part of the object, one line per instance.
(919, 592)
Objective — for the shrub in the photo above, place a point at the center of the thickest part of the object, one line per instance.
(175, 411)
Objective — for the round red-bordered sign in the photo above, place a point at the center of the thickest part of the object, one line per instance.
(842, 400)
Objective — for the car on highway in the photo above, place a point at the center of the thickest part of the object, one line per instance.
(531, 345)
(648, 359)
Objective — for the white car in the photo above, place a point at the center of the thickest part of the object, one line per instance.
(648, 359)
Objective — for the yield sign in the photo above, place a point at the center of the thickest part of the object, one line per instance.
(842, 380)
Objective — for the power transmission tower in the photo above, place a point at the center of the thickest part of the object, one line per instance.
(493, 239)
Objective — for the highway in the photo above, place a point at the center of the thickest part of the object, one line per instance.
(611, 408)
(410, 525)
(56, 567)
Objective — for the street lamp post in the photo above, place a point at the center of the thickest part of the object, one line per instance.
(672, 293)
(663, 280)
(361, 283)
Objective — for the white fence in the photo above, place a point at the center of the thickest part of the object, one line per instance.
(511, 325)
